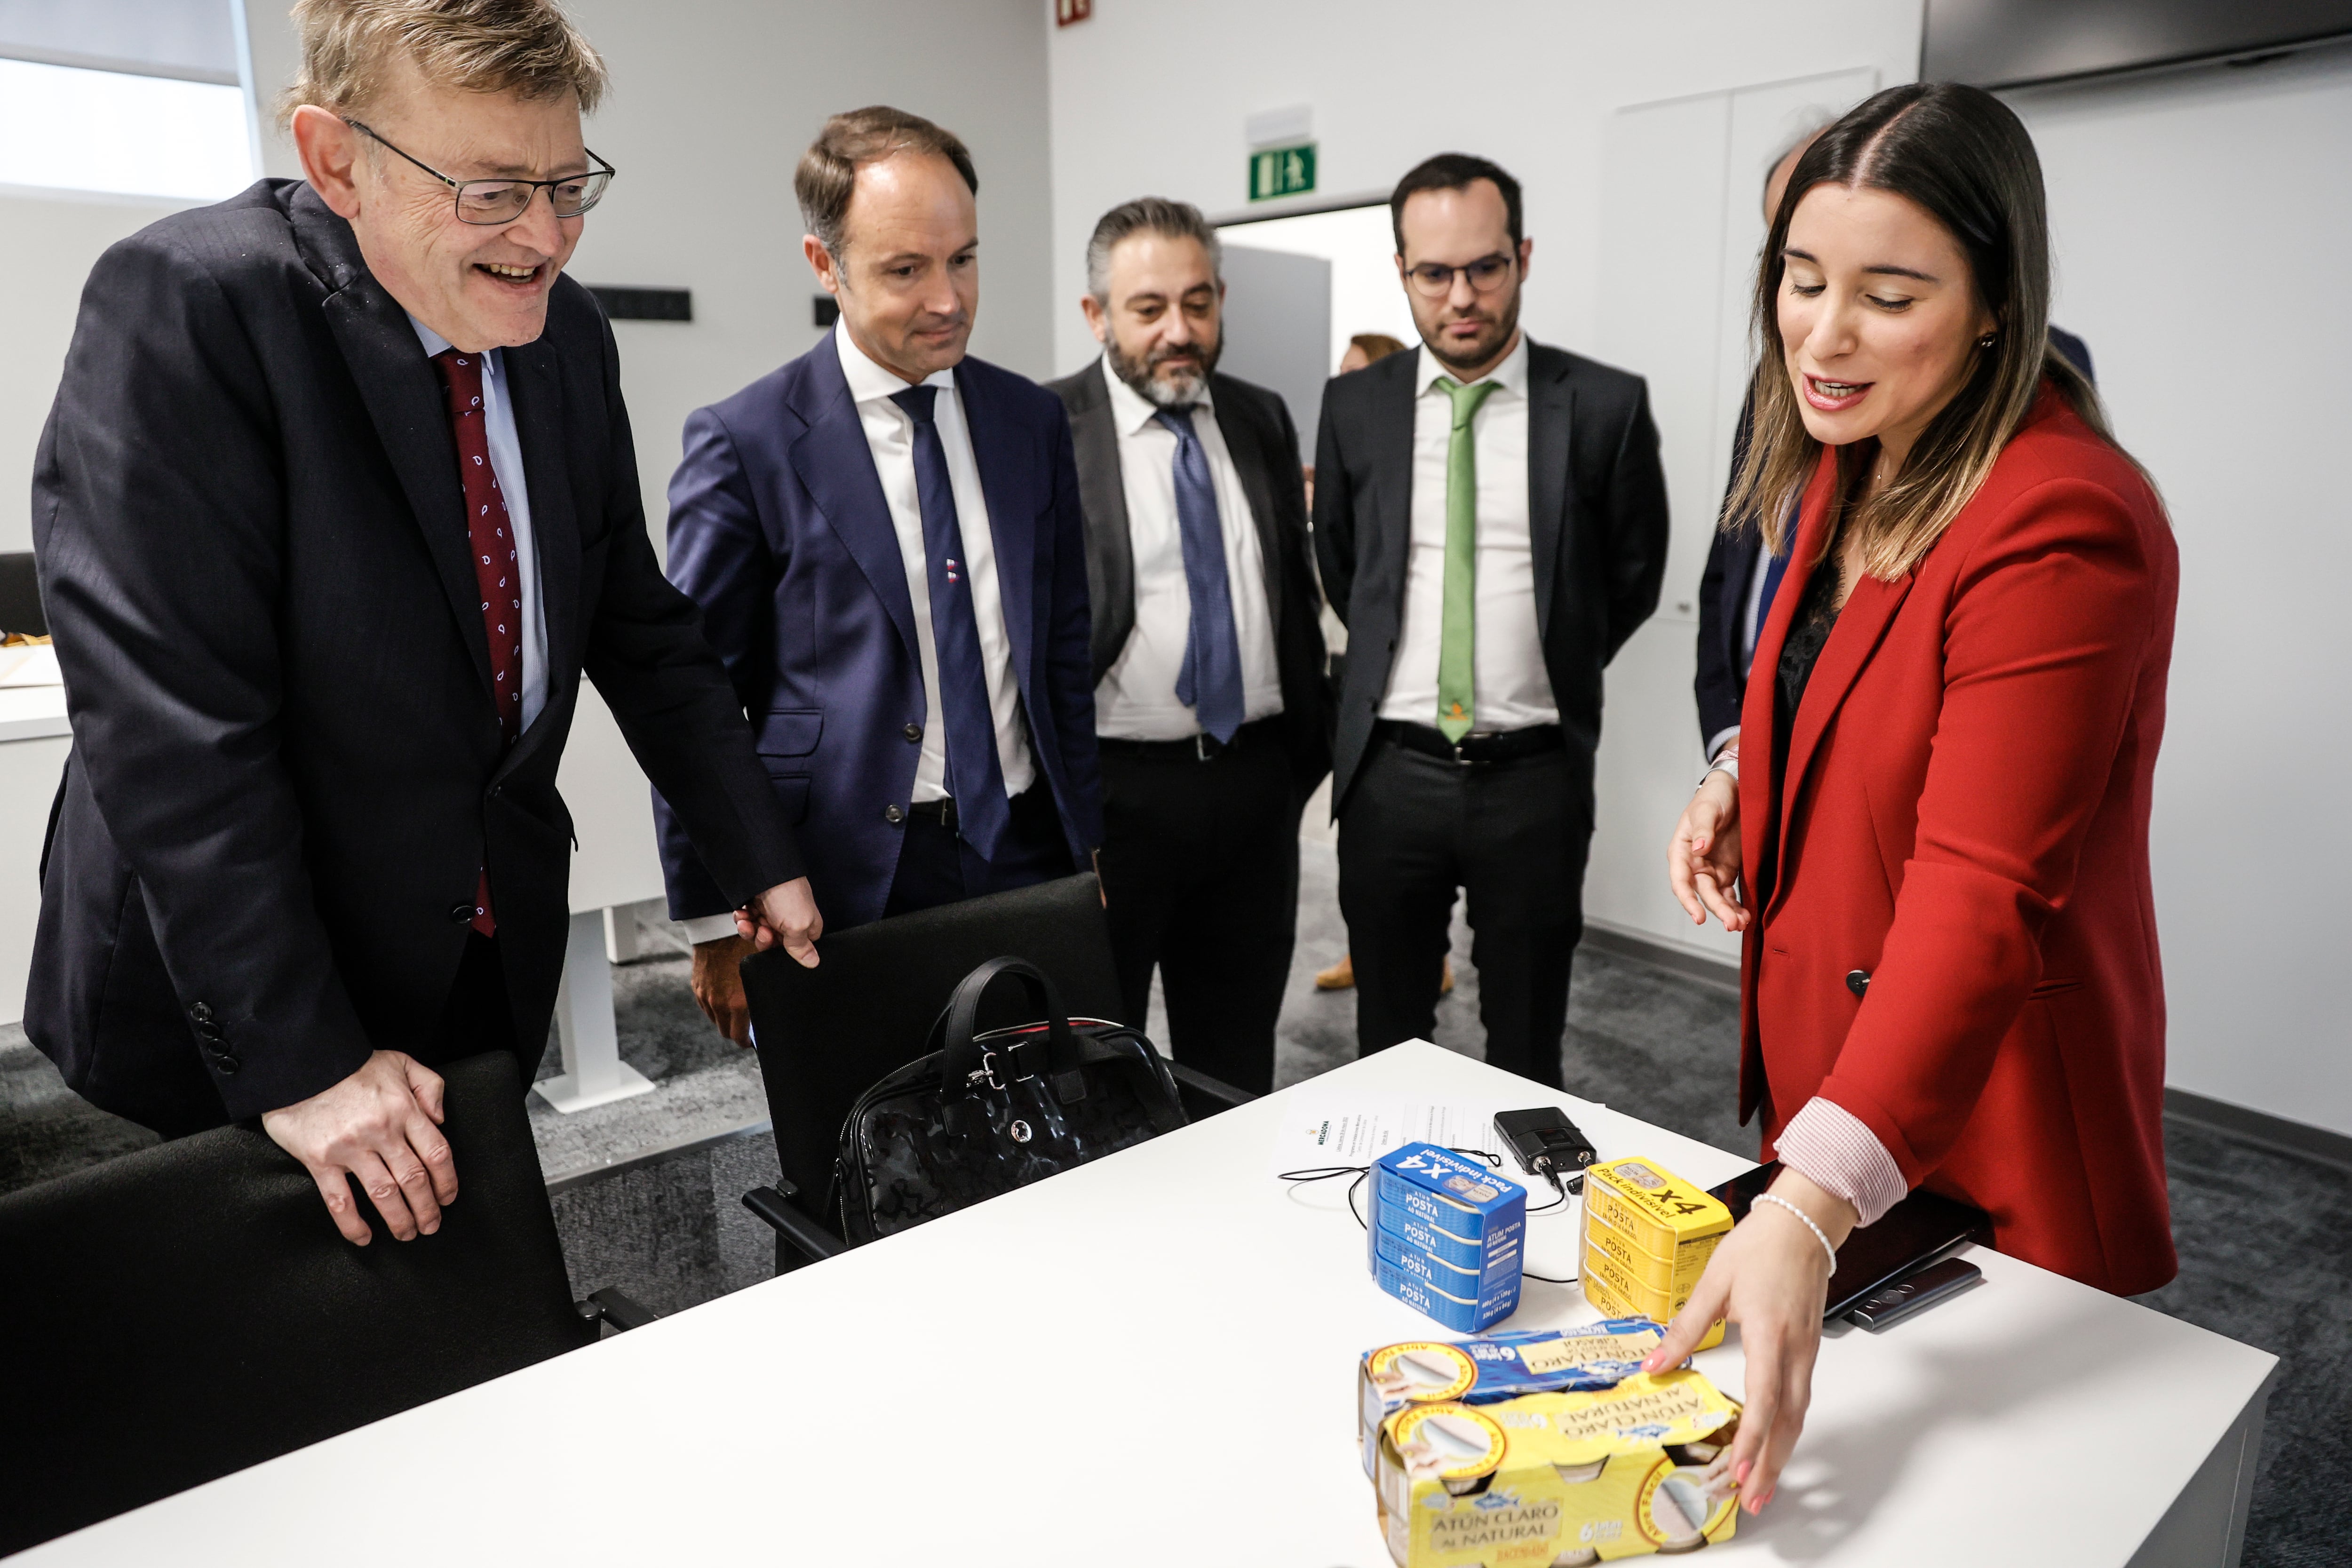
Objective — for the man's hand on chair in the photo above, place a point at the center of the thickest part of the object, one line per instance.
(381, 1124)
(785, 914)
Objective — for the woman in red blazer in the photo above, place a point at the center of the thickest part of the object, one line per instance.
(1935, 835)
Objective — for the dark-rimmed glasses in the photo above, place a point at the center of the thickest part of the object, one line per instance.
(1434, 279)
(492, 201)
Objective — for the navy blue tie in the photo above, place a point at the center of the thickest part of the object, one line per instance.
(974, 778)
(1775, 566)
(1210, 682)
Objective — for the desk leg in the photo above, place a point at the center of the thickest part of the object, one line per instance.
(622, 940)
(2206, 1525)
(594, 1072)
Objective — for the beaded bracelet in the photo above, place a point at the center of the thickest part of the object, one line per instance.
(1819, 1235)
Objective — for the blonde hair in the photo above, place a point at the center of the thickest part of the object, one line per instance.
(528, 47)
(1961, 154)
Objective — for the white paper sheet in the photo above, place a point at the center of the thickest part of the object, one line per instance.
(1357, 1132)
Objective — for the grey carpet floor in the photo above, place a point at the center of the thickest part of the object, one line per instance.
(647, 1192)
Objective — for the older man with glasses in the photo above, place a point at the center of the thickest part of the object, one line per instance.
(336, 506)
(1491, 519)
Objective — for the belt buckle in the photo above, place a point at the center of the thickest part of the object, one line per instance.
(947, 813)
(1201, 751)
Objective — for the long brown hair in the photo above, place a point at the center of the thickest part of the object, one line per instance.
(1963, 156)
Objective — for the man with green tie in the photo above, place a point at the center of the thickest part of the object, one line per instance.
(1491, 521)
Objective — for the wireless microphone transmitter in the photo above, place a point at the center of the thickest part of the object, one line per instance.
(1548, 1144)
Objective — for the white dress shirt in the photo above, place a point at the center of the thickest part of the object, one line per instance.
(506, 462)
(890, 435)
(1137, 698)
(1511, 687)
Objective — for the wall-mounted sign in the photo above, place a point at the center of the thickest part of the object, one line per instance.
(1281, 171)
(1069, 11)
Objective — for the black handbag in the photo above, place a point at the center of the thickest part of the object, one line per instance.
(982, 1115)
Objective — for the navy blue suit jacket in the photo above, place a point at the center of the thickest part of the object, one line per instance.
(1721, 683)
(778, 530)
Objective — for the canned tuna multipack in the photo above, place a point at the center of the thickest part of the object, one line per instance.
(1445, 1235)
(1648, 1235)
(1495, 1367)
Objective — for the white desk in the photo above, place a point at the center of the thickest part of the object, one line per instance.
(1067, 1374)
(34, 740)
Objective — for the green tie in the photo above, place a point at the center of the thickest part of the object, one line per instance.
(1458, 631)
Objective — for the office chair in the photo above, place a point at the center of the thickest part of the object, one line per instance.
(189, 1310)
(827, 1035)
(20, 596)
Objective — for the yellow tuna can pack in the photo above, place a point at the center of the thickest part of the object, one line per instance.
(1551, 1480)
(1648, 1235)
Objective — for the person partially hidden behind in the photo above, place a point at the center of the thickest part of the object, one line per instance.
(1208, 658)
(886, 539)
(1933, 833)
(336, 505)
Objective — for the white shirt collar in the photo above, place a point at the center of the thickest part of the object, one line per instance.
(868, 381)
(1130, 411)
(1511, 375)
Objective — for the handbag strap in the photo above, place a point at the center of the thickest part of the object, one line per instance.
(963, 1057)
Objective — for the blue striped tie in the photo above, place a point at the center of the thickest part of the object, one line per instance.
(1209, 681)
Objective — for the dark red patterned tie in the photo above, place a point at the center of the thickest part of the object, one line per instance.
(496, 572)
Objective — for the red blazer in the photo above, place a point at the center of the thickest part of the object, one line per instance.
(1965, 817)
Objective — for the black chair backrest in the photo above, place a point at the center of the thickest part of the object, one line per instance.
(20, 596)
(186, 1310)
(827, 1034)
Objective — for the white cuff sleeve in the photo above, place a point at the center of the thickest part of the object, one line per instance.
(1830, 1146)
(709, 928)
(1721, 738)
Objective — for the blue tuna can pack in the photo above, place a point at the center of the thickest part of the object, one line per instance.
(1445, 1235)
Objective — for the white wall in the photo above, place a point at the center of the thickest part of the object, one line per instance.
(2201, 223)
(712, 102)
(46, 248)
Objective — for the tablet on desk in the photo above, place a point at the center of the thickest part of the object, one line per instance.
(1912, 1234)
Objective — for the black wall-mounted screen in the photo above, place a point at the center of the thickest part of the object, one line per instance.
(643, 304)
(2008, 42)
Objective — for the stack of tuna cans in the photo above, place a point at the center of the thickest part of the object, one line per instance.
(1445, 1234)
(1648, 1235)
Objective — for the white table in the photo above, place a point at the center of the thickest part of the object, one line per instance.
(1069, 1373)
(34, 740)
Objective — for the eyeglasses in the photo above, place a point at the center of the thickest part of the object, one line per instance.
(1434, 279)
(493, 202)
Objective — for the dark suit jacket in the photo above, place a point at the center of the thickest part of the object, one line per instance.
(1597, 512)
(287, 768)
(1264, 444)
(778, 528)
(1721, 683)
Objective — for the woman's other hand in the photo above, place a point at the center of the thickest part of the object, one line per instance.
(1703, 860)
(1771, 1277)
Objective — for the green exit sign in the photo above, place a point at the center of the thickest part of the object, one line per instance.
(1281, 171)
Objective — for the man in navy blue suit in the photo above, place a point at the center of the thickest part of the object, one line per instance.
(886, 542)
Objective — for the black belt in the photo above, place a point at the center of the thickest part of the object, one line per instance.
(941, 811)
(1490, 746)
(1200, 748)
